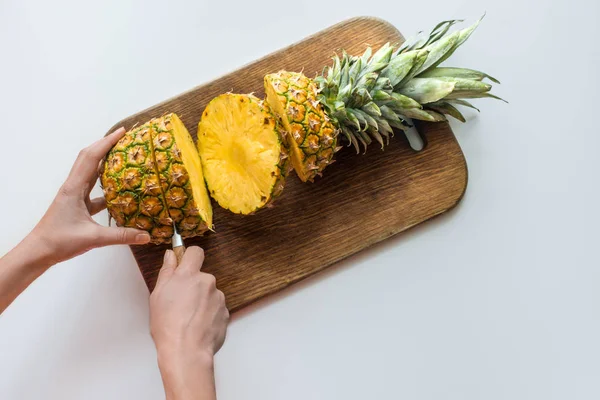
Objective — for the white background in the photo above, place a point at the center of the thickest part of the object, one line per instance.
(496, 300)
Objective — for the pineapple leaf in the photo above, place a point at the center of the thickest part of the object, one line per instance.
(412, 43)
(366, 139)
(381, 96)
(344, 94)
(459, 37)
(389, 114)
(420, 59)
(352, 118)
(361, 119)
(427, 90)
(355, 70)
(494, 97)
(399, 125)
(359, 97)
(370, 120)
(399, 67)
(377, 136)
(438, 50)
(383, 55)
(372, 109)
(404, 101)
(465, 88)
(424, 115)
(368, 81)
(465, 84)
(447, 108)
(384, 127)
(383, 84)
(464, 103)
(351, 138)
(366, 56)
(339, 105)
(440, 30)
(457, 73)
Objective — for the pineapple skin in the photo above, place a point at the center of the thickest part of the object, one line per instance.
(308, 131)
(175, 180)
(223, 106)
(132, 187)
(146, 184)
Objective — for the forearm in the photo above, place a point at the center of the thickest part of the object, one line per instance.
(187, 376)
(20, 267)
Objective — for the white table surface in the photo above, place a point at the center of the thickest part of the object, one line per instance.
(497, 300)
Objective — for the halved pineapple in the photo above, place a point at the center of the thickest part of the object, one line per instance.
(244, 161)
(152, 177)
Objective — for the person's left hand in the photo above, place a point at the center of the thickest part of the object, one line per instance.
(67, 229)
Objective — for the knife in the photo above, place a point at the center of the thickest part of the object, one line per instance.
(178, 245)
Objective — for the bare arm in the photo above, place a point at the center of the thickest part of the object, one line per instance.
(188, 313)
(67, 229)
(188, 321)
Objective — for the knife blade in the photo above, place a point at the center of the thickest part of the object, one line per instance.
(177, 244)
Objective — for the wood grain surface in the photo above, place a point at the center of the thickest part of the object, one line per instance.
(361, 200)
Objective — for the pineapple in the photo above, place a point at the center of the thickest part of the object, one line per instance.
(310, 134)
(243, 158)
(153, 178)
(365, 97)
(362, 97)
(178, 165)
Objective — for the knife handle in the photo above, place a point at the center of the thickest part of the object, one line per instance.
(179, 250)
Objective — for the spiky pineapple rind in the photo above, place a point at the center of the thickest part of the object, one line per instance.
(176, 183)
(309, 132)
(132, 188)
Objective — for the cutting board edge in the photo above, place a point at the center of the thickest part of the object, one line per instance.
(381, 240)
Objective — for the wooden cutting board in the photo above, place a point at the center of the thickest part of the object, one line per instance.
(361, 200)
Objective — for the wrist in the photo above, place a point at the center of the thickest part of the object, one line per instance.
(181, 371)
(187, 376)
(39, 249)
(171, 359)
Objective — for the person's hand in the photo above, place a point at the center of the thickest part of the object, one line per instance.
(67, 229)
(187, 312)
(188, 322)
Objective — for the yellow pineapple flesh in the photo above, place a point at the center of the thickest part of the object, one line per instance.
(244, 161)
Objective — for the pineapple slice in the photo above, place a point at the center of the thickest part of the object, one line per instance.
(243, 159)
(152, 177)
(312, 137)
(178, 164)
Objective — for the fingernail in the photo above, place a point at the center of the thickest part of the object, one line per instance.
(169, 254)
(119, 131)
(142, 238)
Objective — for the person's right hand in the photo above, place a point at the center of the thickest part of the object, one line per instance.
(188, 318)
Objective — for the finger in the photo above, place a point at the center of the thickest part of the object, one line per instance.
(168, 267)
(192, 260)
(96, 205)
(118, 235)
(85, 169)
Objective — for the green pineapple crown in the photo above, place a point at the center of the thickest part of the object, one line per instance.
(369, 95)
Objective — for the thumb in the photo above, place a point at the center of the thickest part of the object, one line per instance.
(119, 235)
(169, 265)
